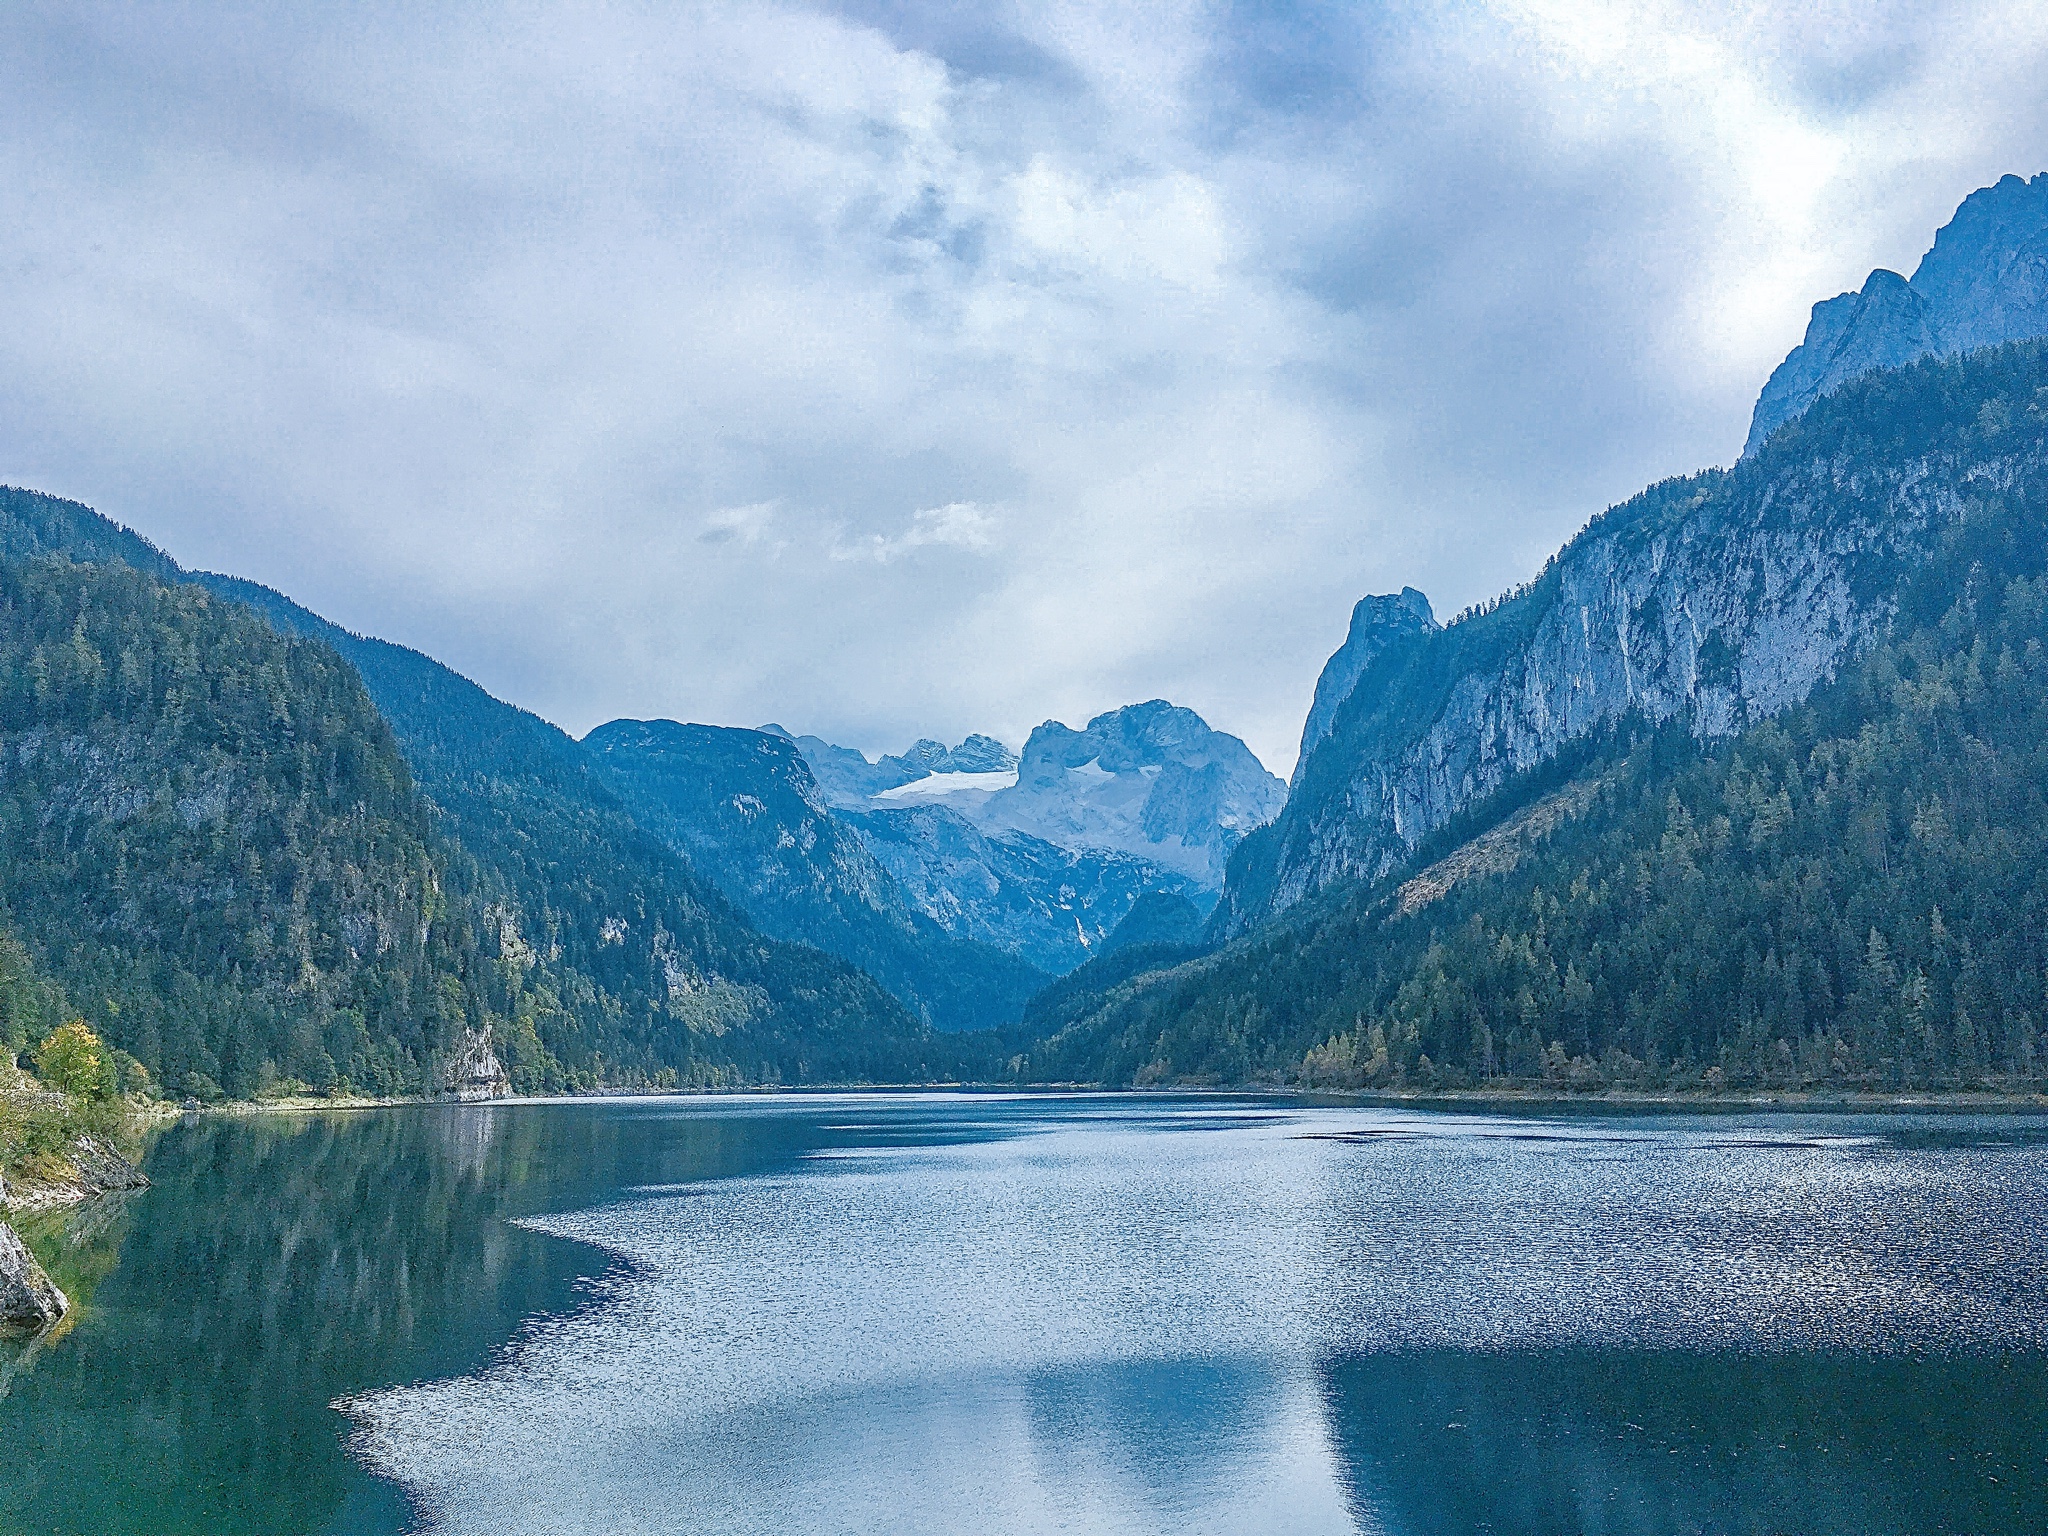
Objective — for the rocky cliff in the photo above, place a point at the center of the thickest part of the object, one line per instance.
(1375, 624)
(1984, 282)
(1712, 601)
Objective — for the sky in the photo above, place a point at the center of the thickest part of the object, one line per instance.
(894, 370)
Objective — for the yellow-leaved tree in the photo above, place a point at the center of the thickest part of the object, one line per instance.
(73, 1061)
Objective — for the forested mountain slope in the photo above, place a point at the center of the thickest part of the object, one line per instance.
(743, 808)
(210, 840)
(639, 966)
(1850, 890)
(243, 863)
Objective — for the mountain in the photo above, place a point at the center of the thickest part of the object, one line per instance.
(1712, 601)
(1746, 789)
(639, 966)
(1376, 623)
(977, 754)
(208, 838)
(253, 846)
(1151, 780)
(1045, 855)
(1049, 906)
(1984, 282)
(849, 782)
(844, 776)
(743, 807)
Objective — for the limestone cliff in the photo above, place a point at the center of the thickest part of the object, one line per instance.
(1984, 282)
(1375, 624)
(1713, 602)
(476, 1073)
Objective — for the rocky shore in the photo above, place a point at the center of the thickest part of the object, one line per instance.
(29, 1300)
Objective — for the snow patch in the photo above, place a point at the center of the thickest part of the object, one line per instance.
(937, 786)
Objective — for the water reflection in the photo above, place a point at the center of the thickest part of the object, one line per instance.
(280, 1262)
(936, 1314)
(1133, 1319)
(1629, 1444)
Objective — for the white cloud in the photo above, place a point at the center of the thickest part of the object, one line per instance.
(732, 362)
(957, 525)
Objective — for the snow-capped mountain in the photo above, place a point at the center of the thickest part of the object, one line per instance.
(1152, 780)
(1045, 854)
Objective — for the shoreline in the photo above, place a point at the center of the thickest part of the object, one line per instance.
(1804, 1100)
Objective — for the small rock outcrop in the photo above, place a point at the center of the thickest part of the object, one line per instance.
(89, 1167)
(102, 1170)
(476, 1073)
(29, 1301)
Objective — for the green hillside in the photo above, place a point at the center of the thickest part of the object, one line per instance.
(1853, 894)
(251, 847)
(209, 839)
(633, 967)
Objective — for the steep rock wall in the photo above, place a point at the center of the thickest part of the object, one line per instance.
(1714, 601)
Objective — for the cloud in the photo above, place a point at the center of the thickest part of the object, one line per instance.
(957, 525)
(897, 369)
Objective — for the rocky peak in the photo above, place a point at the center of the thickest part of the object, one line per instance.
(924, 754)
(978, 754)
(1375, 624)
(850, 782)
(1984, 282)
(1150, 779)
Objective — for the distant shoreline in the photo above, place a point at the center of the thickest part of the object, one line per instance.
(1801, 1100)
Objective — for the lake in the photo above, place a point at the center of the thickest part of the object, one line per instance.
(957, 1313)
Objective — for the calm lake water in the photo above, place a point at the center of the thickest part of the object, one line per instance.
(910, 1314)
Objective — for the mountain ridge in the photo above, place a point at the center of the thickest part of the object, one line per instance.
(1829, 885)
(743, 807)
(1984, 281)
(1719, 598)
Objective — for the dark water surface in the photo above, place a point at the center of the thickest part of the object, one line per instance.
(949, 1314)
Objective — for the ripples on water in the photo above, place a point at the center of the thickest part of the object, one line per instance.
(1038, 1317)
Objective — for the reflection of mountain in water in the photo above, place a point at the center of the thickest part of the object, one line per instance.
(1173, 1432)
(1632, 1444)
(279, 1263)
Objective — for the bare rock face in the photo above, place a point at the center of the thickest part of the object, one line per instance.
(28, 1300)
(1984, 282)
(102, 1170)
(1376, 623)
(476, 1072)
(1712, 602)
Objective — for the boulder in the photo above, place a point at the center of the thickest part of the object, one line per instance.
(28, 1299)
